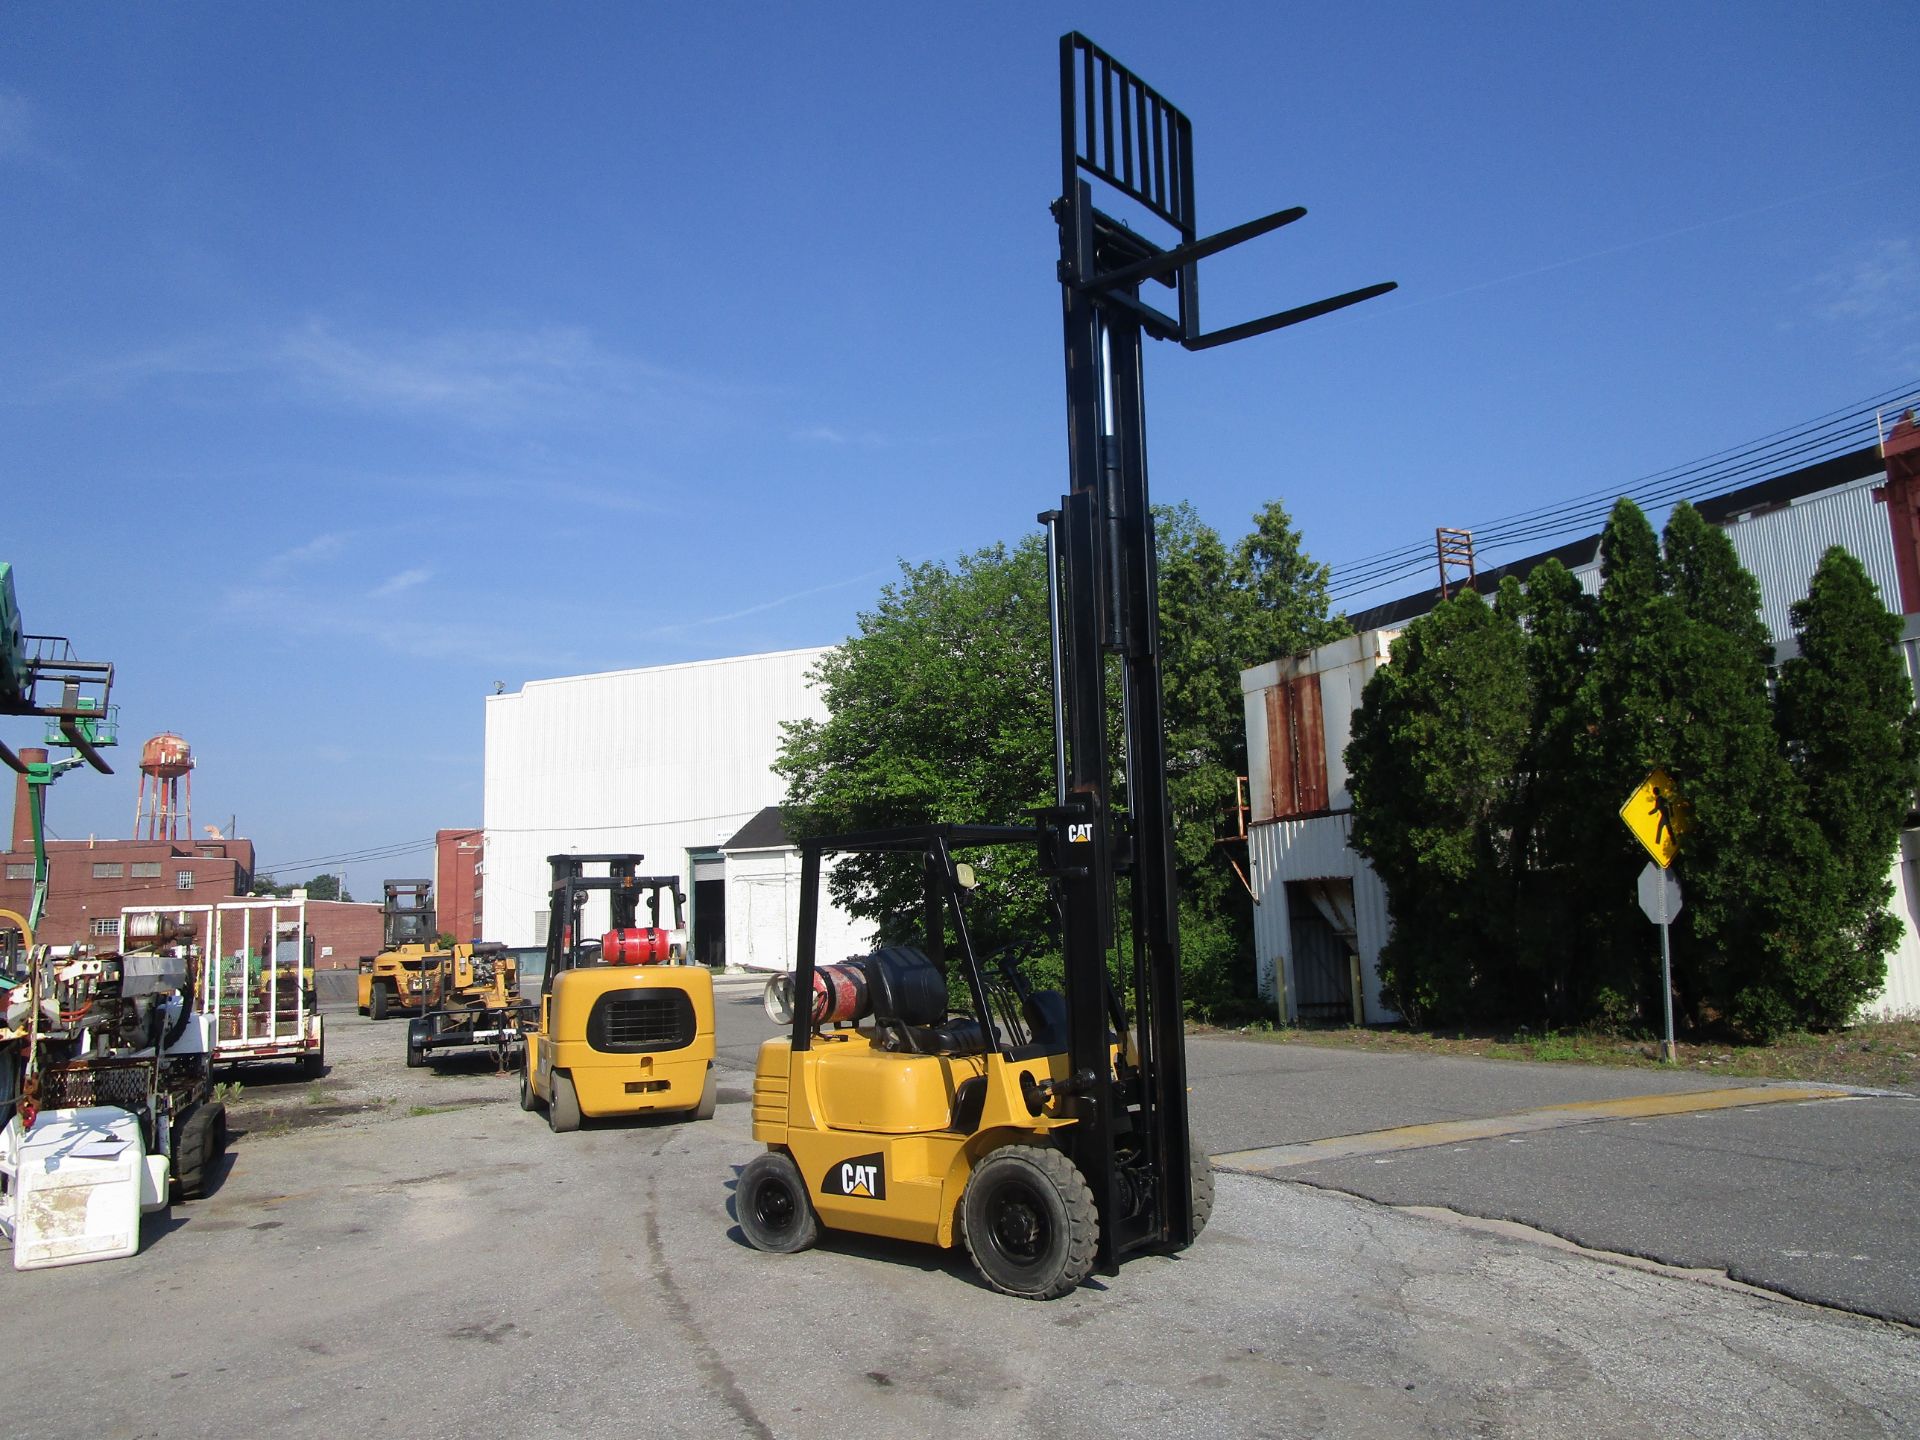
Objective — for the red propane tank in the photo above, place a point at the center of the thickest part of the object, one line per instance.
(839, 993)
(642, 945)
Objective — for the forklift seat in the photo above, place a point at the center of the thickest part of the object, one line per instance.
(908, 993)
(903, 985)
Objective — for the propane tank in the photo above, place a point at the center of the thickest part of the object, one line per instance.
(638, 945)
(840, 993)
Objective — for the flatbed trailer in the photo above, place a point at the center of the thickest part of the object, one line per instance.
(470, 1000)
(257, 985)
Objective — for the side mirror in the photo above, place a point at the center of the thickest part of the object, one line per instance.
(963, 876)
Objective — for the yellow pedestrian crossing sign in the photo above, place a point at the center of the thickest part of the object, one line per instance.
(1657, 817)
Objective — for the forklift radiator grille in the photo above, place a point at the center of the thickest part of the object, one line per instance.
(639, 1021)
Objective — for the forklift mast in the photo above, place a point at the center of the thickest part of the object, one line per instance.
(406, 913)
(624, 887)
(1110, 819)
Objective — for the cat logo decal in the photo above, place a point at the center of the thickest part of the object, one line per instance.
(864, 1177)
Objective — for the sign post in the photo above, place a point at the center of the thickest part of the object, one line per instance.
(1657, 815)
(1660, 900)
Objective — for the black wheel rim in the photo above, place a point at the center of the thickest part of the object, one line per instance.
(1020, 1230)
(773, 1207)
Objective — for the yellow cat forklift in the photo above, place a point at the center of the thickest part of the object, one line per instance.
(1044, 1129)
(395, 980)
(625, 1023)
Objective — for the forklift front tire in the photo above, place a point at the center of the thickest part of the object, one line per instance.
(772, 1205)
(528, 1101)
(563, 1106)
(1030, 1222)
(1200, 1188)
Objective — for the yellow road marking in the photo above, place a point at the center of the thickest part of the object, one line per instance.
(1270, 1158)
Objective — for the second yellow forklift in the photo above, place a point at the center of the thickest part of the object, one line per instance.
(625, 1023)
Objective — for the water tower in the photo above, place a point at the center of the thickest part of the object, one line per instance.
(163, 814)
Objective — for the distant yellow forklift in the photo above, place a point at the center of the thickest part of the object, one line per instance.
(1044, 1129)
(625, 1023)
(396, 980)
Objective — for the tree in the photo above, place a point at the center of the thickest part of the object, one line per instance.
(1285, 592)
(320, 887)
(938, 709)
(326, 887)
(1435, 748)
(1550, 794)
(1846, 717)
(1724, 757)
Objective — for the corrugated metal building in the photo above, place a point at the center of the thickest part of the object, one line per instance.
(670, 761)
(1320, 916)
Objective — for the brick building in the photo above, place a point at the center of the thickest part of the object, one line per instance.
(343, 931)
(457, 882)
(90, 880)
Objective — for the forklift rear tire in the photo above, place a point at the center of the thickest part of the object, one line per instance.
(772, 1206)
(528, 1100)
(1030, 1222)
(563, 1110)
(709, 1096)
(377, 1003)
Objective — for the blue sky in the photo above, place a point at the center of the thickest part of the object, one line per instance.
(354, 357)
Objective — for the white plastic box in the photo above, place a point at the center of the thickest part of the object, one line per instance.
(75, 1185)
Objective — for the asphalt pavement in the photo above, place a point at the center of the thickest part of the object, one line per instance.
(1812, 1200)
(405, 1252)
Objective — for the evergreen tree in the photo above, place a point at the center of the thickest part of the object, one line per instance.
(1846, 716)
(1624, 727)
(1551, 794)
(1724, 757)
(1435, 747)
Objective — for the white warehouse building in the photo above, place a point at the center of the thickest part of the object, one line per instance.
(671, 762)
(1320, 912)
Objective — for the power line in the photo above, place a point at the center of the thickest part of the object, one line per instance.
(1822, 437)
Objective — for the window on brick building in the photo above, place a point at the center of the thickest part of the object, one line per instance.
(146, 870)
(183, 879)
(106, 925)
(19, 870)
(108, 869)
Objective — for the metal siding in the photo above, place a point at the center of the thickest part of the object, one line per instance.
(1783, 547)
(1314, 849)
(1901, 994)
(1309, 746)
(1253, 698)
(1283, 798)
(657, 761)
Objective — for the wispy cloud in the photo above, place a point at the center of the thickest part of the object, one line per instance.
(17, 137)
(485, 379)
(1875, 291)
(701, 622)
(1880, 283)
(400, 583)
(830, 435)
(337, 615)
(323, 546)
(485, 376)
